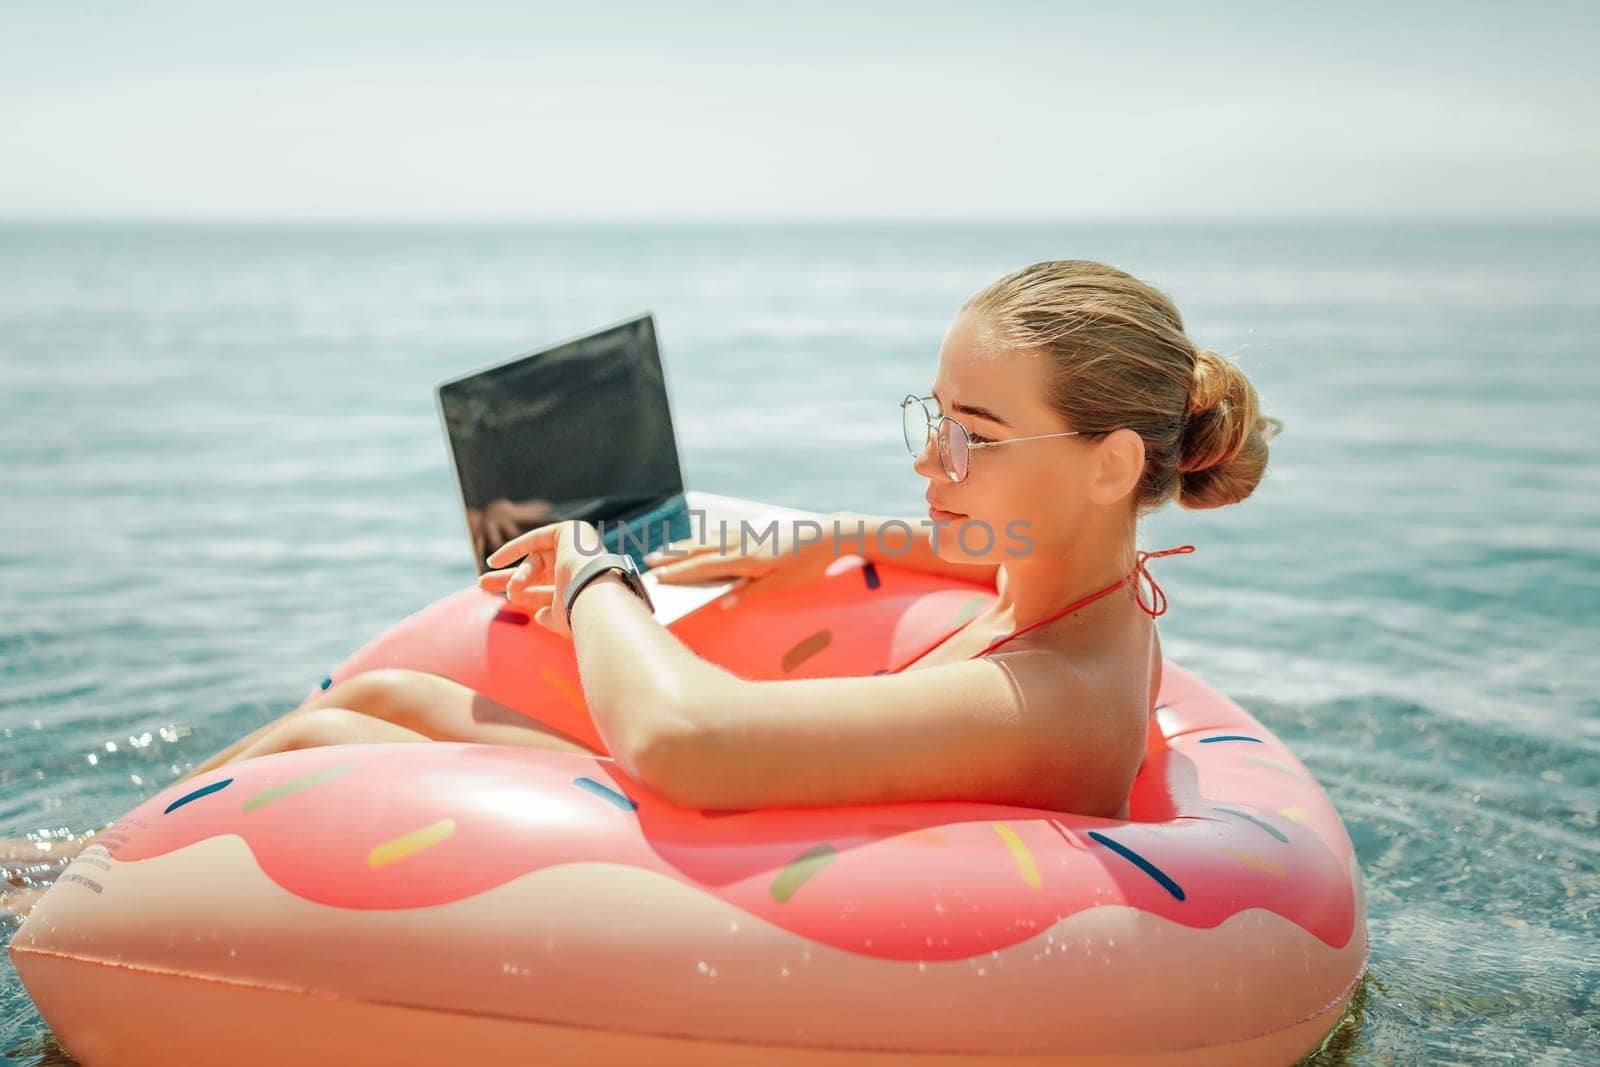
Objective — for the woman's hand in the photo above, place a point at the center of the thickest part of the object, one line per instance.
(554, 553)
(776, 563)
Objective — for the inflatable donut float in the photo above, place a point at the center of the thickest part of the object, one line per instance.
(453, 903)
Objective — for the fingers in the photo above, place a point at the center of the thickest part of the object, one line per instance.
(551, 620)
(511, 580)
(539, 539)
(707, 569)
(687, 548)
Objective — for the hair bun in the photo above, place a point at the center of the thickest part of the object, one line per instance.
(1224, 448)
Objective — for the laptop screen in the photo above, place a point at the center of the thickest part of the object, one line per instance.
(579, 431)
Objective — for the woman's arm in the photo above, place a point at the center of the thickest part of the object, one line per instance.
(890, 546)
(635, 674)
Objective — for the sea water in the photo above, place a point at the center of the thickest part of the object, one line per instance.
(221, 471)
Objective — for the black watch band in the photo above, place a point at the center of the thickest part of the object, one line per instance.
(604, 564)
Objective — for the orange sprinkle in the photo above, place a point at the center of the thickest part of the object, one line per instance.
(805, 648)
(568, 691)
(1250, 859)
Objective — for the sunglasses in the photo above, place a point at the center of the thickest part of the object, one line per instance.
(955, 444)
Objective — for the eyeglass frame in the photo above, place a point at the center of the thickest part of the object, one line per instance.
(934, 425)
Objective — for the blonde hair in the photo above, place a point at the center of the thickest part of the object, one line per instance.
(1119, 358)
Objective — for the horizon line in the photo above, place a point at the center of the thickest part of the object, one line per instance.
(1284, 219)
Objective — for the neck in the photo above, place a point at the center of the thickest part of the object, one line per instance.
(1036, 585)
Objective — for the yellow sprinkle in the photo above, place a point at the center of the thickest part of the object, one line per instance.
(1295, 812)
(409, 844)
(1290, 771)
(562, 686)
(1250, 859)
(1020, 853)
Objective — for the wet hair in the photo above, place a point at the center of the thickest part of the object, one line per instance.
(1120, 358)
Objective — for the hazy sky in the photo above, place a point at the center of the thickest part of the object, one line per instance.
(736, 109)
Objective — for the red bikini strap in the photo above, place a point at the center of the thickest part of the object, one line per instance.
(1158, 598)
(1139, 572)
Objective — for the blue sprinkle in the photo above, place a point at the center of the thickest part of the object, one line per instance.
(605, 792)
(1140, 862)
(883, 671)
(1229, 737)
(327, 682)
(1267, 826)
(870, 573)
(196, 795)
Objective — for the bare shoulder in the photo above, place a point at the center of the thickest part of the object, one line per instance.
(1091, 728)
(1108, 679)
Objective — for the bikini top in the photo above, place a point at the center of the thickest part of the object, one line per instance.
(1157, 606)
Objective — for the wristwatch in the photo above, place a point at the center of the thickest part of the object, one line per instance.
(607, 561)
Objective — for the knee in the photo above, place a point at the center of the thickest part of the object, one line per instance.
(319, 727)
(384, 693)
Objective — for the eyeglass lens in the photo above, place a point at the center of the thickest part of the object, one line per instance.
(917, 425)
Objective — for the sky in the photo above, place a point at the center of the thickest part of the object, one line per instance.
(692, 110)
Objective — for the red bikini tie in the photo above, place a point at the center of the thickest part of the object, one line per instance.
(1140, 573)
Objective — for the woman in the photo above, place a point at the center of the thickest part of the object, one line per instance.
(1043, 699)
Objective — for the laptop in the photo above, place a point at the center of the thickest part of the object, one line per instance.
(582, 430)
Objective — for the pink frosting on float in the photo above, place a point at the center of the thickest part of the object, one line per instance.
(1239, 825)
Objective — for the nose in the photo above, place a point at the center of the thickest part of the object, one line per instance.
(927, 463)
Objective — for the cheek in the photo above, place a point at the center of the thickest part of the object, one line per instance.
(1031, 499)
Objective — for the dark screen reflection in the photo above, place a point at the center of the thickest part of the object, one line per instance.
(581, 431)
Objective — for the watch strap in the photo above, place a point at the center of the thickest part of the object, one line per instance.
(604, 564)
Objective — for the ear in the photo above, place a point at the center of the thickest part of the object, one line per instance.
(1116, 464)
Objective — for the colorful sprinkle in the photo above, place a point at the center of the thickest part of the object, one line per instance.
(295, 785)
(515, 618)
(1295, 812)
(566, 689)
(1140, 862)
(799, 869)
(326, 682)
(881, 670)
(1229, 737)
(203, 791)
(971, 607)
(806, 648)
(1267, 826)
(1290, 771)
(870, 573)
(1250, 859)
(605, 792)
(1019, 852)
(410, 844)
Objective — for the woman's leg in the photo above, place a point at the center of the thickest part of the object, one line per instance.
(430, 704)
(420, 703)
(327, 726)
